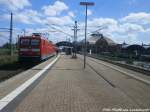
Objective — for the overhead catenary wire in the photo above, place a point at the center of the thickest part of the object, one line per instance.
(59, 30)
(95, 30)
(102, 27)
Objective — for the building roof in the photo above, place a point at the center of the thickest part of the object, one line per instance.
(124, 45)
(109, 41)
(146, 46)
(64, 43)
(97, 37)
(93, 40)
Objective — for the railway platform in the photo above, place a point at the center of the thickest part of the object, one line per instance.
(67, 87)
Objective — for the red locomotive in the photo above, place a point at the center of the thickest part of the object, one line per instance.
(35, 48)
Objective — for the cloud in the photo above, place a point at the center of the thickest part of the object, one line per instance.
(102, 22)
(54, 34)
(107, 24)
(55, 9)
(147, 30)
(27, 17)
(15, 4)
(104, 25)
(89, 12)
(128, 32)
(40, 19)
(63, 20)
(71, 14)
(130, 28)
(127, 28)
(116, 30)
(138, 18)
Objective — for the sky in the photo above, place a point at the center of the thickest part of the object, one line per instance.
(121, 20)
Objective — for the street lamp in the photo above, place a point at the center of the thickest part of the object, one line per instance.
(86, 4)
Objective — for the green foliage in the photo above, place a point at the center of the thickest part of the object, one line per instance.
(129, 61)
(4, 51)
(6, 59)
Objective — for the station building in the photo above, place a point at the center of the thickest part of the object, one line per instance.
(98, 43)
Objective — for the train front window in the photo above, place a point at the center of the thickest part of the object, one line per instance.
(25, 42)
(35, 42)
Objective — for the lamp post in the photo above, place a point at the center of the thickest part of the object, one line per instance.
(86, 4)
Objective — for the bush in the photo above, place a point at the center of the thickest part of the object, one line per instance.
(129, 61)
(6, 59)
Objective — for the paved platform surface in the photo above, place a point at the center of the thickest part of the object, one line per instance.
(67, 87)
(10, 84)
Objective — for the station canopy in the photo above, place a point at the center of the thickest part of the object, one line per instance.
(64, 43)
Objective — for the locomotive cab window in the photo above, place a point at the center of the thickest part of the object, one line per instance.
(35, 42)
(25, 42)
